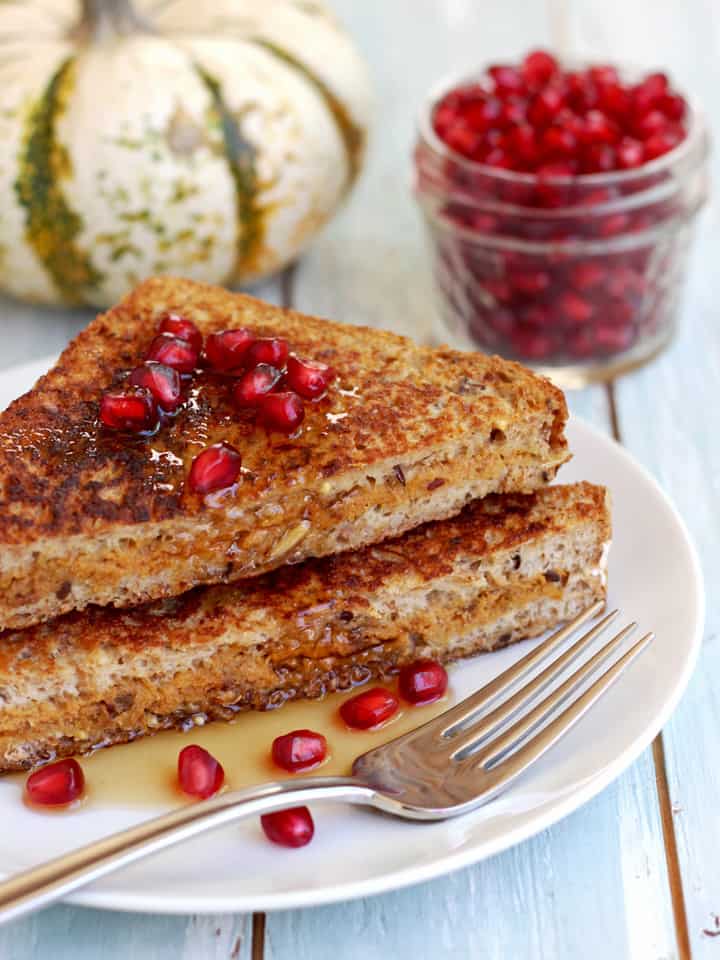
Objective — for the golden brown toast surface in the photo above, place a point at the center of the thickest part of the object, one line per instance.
(505, 568)
(66, 483)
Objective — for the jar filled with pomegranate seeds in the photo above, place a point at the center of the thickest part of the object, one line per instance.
(560, 204)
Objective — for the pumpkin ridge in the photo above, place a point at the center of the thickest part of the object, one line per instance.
(51, 226)
(240, 156)
(352, 135)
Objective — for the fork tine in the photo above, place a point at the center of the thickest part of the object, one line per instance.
(456, 716)
(506, 771)
(492, 754)
(473, 735)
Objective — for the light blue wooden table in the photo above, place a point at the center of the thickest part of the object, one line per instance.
(635, 873)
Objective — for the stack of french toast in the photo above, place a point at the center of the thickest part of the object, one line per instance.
(409, 515)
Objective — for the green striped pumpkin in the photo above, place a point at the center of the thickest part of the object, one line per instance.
(205, 138)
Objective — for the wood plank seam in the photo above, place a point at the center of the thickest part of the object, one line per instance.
(258, 936)
(672, 859)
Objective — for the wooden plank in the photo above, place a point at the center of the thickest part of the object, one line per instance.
(669, 418)
(64, 933)
(594, 885)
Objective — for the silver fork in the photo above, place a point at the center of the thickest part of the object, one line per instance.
(449, 766)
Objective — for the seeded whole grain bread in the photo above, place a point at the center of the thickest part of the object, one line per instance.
(407, 435)
(506, 568)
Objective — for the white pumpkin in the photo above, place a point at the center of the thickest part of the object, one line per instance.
(207, 139)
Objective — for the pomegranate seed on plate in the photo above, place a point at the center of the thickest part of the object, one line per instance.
(308, 378)
(182, 328)
(162, 381)
(598, 158)
(558, 142)
(56, 784)
(530, 282)
(254, 384)
(461, 138)
(173, 352)
(132, 409)
(216, 468)
(531, 344)
(598, 128)
(226, 350)
(423, 681)
(199, 773)
(299, 750)
(369, 709)
(272, 350)
(289, 828)
(283, 412)
(673, 106)
(651, 123)
(604, 75)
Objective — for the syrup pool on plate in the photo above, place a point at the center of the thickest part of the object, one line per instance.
(144, 773)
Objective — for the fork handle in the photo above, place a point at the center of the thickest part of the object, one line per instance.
(57, 878)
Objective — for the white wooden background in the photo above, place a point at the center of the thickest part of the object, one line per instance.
(635, 873)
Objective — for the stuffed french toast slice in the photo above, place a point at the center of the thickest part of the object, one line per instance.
(403, 435)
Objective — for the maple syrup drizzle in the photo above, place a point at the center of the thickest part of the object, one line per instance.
(144, 773)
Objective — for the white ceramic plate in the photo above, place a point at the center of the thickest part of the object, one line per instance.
(654, 578)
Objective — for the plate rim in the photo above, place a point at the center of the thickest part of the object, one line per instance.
(532, 824)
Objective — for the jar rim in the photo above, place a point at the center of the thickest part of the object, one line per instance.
(696, 136)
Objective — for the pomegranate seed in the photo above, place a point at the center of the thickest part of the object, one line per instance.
(289, 828)
(613, 225)
(574, 308)
(199, 773)
(173, 352)
(506, 79)
(615, 101)
(182, 328)
(308, 378)
(558, 142)
(369, 709)
(598, 158)
(423, 681)
(535, 315)
(598, 128)
(461, 138)
(497, 158)
(513, 111)
(272, 350)
(162, 382)
(604, 75)
(673, 106)
(283, 412)
(523, 145)
(58, 783)
(481, 112)
(538, 67)
(216, 468)
(545, 106)
(630, 153)
(531, 344)
(299, 750)
(587, 274)
(613, 339)
(530, 283)
(661, 143)
(254, 384)
(132, 409)
(581, 342)
(226, 351)
(650, 123)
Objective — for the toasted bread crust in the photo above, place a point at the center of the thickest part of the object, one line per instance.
(506, 568)
(88, 517)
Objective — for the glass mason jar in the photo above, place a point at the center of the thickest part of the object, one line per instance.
(578, 277)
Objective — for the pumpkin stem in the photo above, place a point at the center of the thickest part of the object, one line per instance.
(103, 19)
